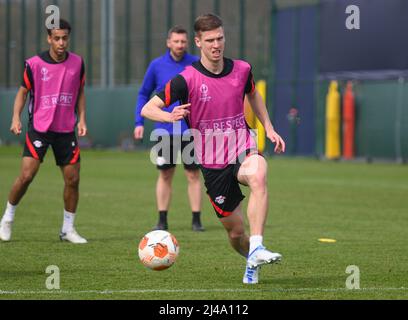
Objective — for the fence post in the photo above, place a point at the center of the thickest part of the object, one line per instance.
(169, 14)
(148, 32)
(272, 76)
(107, 43)
(398, 117)
(319, 131)
(23, 34)
(242, 29)
(38, 25)
(193, 8)
(8, 39)
(128, 61)
(89, 44)
(217, 7)
(292, 145)
(72, 22)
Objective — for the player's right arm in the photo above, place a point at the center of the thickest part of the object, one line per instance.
(19, 104)
(153, 111)
(21, 98)
(175, 90)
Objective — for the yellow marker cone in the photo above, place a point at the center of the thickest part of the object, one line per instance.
(326, 240)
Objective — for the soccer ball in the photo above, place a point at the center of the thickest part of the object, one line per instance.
(158, 250)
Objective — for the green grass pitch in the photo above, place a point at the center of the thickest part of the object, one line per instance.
(363, 206)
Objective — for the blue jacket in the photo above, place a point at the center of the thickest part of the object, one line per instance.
(159, 72)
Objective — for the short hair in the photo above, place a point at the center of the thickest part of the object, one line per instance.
(207, 22)
(63, 25)
(176, 29)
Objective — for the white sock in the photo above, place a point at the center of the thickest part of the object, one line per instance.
(9, 212)
(68, 224)
(254, 242)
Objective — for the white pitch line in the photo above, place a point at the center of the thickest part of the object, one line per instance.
(277, 290)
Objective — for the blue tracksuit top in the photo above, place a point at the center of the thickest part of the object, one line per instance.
(159, 72)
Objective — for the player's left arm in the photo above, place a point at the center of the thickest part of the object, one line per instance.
(82, 129)
(260, 110)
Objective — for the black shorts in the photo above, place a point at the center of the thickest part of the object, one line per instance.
(64, 145)
(223, 187)
(168, 148)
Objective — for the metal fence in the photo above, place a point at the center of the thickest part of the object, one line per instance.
(118, 38)
(280, 38)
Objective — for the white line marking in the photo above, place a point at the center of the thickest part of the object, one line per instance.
(277, 290)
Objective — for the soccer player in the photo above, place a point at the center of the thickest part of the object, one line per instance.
(159, 72)
(55, 80)
(212, 91)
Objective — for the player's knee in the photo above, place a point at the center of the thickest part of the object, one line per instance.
(167, 175)
(236, 234)
(193, 176)
(257, 181)
(254, 171)
(26, 177)
(72, 180)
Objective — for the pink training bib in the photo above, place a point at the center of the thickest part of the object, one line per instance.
(217, 114)
(56, 88)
